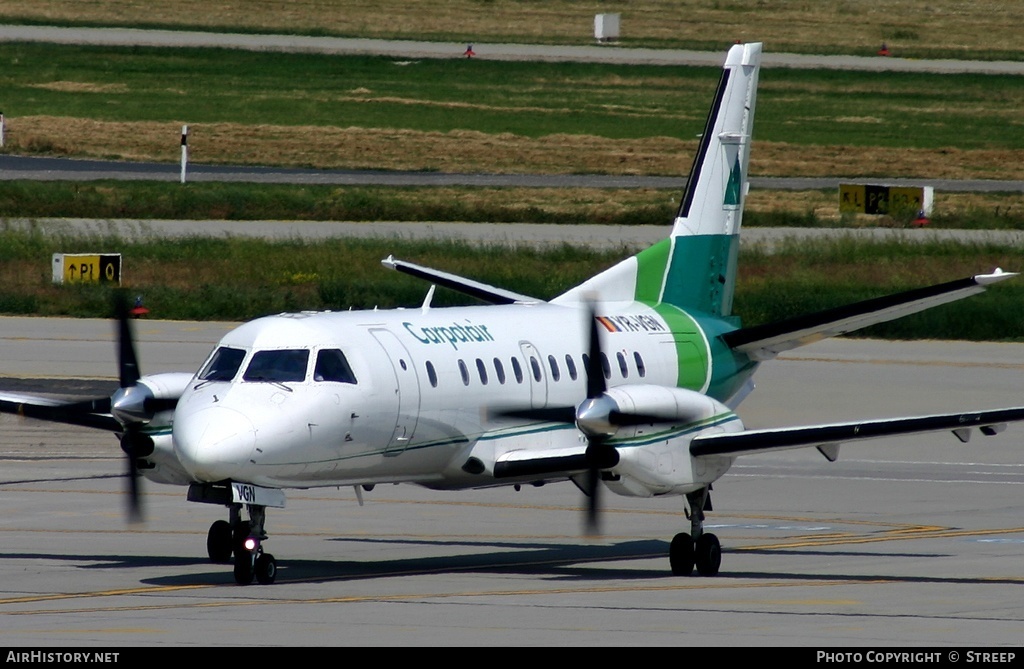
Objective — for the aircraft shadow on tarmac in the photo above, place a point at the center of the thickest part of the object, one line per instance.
(546, 561)
(555, 561)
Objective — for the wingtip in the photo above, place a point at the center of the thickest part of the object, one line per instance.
(995, 276)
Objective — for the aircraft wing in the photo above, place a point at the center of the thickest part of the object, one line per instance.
(764, 342)
(827, 438)
(481, 291)
(44, 408)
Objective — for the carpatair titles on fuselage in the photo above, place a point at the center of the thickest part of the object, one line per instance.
(453, 334)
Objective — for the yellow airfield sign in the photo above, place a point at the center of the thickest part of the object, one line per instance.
(87, 267)
(877, 199)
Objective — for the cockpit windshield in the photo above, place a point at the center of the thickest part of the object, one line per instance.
(223, 365)
(331, 365)
(278, 366)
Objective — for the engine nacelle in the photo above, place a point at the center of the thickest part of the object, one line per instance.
(655, 458)
(168, 385)
(162, 465)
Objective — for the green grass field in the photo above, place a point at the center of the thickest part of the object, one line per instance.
(303, 109)
(239, 279)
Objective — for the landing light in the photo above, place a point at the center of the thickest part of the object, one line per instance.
(250, 544)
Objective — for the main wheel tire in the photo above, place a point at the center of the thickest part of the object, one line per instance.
(708, 553)
(243, 568)
(219, 542)
(266, 569)
(680, 554)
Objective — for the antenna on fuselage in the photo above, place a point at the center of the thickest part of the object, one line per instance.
(428, 299)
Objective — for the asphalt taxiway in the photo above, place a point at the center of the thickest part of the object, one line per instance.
(914, 541)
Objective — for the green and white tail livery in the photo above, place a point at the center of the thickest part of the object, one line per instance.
(695, 268)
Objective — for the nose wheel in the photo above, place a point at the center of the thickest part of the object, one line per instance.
(244, 539)
(252, 562)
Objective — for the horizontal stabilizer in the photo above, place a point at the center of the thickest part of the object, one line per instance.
(824, 436)
(480, 291)
(764, 342)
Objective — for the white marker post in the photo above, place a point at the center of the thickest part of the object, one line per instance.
(184, 151)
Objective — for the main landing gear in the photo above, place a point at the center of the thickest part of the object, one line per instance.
(244, 539)
(697, 548)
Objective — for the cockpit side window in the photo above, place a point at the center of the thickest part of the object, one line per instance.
(223, 365)
(331, 365)
(278, 366)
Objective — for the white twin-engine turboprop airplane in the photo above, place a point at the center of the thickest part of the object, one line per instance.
(628, 381)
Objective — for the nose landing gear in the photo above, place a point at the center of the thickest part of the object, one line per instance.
(244, 539)
(241, 538)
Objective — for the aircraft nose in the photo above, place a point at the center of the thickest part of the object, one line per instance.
(214, 443)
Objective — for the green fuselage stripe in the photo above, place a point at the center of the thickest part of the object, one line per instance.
(692, 355)
(650, 274)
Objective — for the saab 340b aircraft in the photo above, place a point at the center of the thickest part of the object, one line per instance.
(628, 381)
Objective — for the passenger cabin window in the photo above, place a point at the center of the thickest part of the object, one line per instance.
(555, 374)
(464, 372)
(482, 370)
(431, 374)
(622, 365)
(224, 364)
(570, 364)
(606, 366)
(331, 365)
(278, 366)
(517, 369)
(499, 369)
(641, 369)
(535, 366)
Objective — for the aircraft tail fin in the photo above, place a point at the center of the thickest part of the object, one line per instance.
(695, 268)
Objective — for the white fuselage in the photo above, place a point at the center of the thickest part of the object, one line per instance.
(415, 402)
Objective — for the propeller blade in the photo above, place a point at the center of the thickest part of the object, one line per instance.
(128, 375)
(565, 414)
(592, 525)
(155, 405)
(71, 414)
(98, 405)
(629, 419)
(127, 361)
(596, 385)
(130, 444)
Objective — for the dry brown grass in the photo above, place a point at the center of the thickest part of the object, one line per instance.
(858, 26)
(469, 151)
